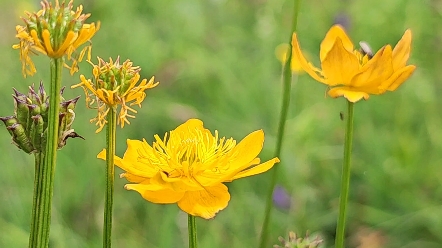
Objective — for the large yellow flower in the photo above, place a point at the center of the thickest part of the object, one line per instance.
(54, 31)
(189, 167)
(354, 73)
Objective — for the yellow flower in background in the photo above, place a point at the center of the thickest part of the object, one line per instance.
(112, 85)
(353, 73)
(281, 54)
(54, 31)
(189, 166)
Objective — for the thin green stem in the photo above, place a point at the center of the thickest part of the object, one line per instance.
(287, 81)
(345, 179)
(40, 236)
(191, 224)
(110, 176)
(38, 161)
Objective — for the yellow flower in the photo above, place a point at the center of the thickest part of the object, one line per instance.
(355, 74)
(281, 55)
(189, 167)
(114, 84)
(54, 31)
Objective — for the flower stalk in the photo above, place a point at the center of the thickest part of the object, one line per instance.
(50, 155)
(345, 178)
(191, 223)
(38, 158)
(110, 176)
(287, 82)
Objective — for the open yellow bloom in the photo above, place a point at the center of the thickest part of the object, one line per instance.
(54, 31)
(189, 167)
(114, 84)
(356, 74)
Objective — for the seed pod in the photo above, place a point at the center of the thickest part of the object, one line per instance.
(20, 138)
(37, 132)
(9, 121)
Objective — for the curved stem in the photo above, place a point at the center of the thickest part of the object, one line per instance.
(345, 179)
(46, 172)
(192, 231)
(287, 81)
(110, 175)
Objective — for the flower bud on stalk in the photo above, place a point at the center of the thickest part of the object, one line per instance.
(30, 120)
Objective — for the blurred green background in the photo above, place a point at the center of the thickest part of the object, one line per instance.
(215, 61)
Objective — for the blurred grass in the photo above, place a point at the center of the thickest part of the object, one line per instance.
(215, 61)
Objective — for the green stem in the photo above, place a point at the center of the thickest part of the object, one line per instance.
(38, 159)
(287, 81)
(192, 231)
(110, 175)
(345, 179)
(46, 173)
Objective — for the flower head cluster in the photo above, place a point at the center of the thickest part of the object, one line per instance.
(357, 73)
(30, 120)
(114, 84)
(295, 241)
(54, 31)
(189, 166)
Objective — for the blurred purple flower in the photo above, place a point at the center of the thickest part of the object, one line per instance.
(281, 198)
(343, 19)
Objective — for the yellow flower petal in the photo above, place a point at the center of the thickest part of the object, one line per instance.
(400, 76)
(164, 196)
(205, 203)
(134, 160)
(134, 178)
(257, 169)
(307, 66)
(174, 183)
(332, 35)
(339, 65)
(247, 150)
(352, 96)
(47, 42)
(376, 71)
(401, 51)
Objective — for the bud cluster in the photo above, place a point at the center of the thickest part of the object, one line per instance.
(30, 120)
(298, 242)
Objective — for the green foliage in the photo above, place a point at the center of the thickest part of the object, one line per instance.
(215, 61)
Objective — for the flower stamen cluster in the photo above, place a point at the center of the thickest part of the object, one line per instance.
(54, 31)
(114, 84)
